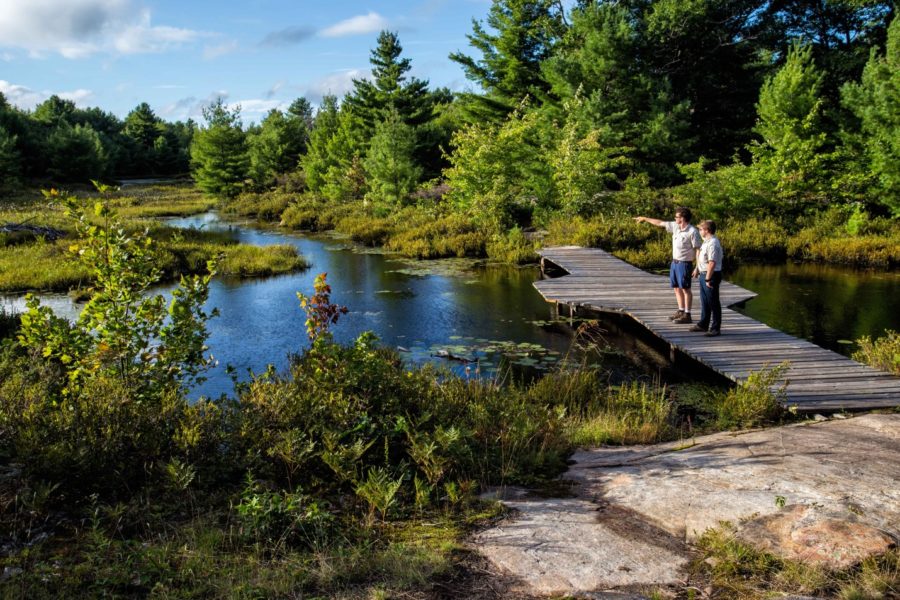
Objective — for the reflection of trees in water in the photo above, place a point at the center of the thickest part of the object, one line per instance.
(822, 303)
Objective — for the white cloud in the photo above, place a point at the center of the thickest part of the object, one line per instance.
(356, 25)
(79, 96)
(336, 84)
(191, 106)
(79, 28)
(211, 52)
(255, 109)
(27, 98)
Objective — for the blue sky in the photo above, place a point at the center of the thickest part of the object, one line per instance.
(180, 55)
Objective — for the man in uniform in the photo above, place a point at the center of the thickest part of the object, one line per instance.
(686, 244)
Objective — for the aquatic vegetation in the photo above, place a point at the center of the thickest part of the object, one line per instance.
(31, 263)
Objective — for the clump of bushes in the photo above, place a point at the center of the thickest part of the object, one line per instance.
(882, 353)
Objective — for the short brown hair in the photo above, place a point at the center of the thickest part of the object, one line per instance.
(707, 224)
(684, 212)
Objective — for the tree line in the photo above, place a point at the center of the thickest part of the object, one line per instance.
(739, 105)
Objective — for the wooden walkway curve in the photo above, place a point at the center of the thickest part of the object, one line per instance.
(818, 379)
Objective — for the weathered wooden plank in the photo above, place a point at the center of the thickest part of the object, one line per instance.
(818, 379)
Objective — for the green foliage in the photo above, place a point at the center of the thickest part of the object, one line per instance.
(793, 151)
(391, 89)
(219, 158)
(317, 160)
(632, 413)
(497, 172)
(279, 518)
(519, 36)
(758, 400)
(882, 353)
(584, 167)
(630, 107)
(511, 247)
(121, 333)
(72, 410)
(876, 103)
(276, 145)
(75, 153)
(10, 165)
(390, 162)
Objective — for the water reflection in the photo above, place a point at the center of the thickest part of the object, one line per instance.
(424, 307)
(261, 321)
(824, 304)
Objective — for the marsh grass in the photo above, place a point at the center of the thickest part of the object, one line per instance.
(882, 353)
(42, 266)
(206, 555)
(632, 413)
(738, 570)
(30, 263)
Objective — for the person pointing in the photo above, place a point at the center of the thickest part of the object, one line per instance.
(686, 244)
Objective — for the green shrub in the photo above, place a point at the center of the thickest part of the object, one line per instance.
(758, 400)
(421, 236)
(97, 404)
(757, 239)
(365, 229)
(512, 248)
(882, 353)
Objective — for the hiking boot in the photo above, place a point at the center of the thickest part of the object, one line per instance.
(684, 318)
(697, 328)
(676, 315)
(712, 333)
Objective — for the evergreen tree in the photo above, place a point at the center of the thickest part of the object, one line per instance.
(391, 89)
(145, 130)
(841, 33)
(876, 103)
(599, 61)
(793, 152)
(317, 160)
(53, 110)
(303, 110)
(390, 163)
(276, 146)
(219, 152)
(10, 161)
(519, 36)
(75, 154)
(345, 178)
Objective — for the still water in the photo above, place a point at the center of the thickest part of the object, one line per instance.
(827, 305)
(424, 308)
(490, 313)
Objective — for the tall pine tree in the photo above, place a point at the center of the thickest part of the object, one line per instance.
(219, 156)
(876, 103)
(519, 36)
(390, 163)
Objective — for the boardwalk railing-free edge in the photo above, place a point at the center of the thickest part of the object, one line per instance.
(817, 379)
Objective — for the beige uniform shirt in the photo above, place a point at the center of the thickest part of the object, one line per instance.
(684, 241)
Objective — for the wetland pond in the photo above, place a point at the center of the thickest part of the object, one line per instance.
(431, 309)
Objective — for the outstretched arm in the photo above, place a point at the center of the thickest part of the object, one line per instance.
(657, 222)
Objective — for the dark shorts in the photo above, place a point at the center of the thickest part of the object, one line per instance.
(680, 274)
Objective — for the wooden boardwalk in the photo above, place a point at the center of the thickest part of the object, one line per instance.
(818, 379)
